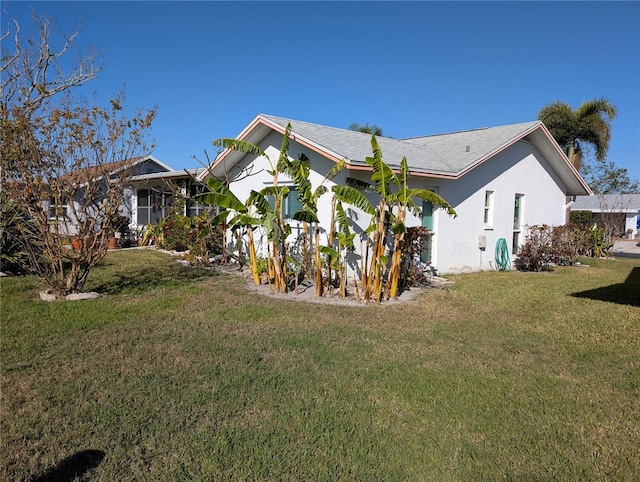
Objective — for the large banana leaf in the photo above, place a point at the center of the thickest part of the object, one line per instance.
(276, 191)
(335, 170)
(382, 176)
(239, 145)
(283, 160)
(341, 217)
(245, 220)
(258, 200)
(350, 195)
(220, 195)
(306, 216)
(433, 198)
(220, 218)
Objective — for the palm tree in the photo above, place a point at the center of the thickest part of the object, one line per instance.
(367, 129)
(590, 123)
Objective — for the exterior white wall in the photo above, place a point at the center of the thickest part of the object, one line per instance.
(631, 223)
(320, 166)
(520, 169)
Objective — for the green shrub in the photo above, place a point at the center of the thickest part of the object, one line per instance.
(15, 231)
(175, 232)
(581, 218)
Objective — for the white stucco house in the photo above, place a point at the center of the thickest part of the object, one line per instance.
(498, 179)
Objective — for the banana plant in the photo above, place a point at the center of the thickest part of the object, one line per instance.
(298, 170)
(395, 198)
(271, 218)
(345, 237)
(403, 200)
(221, 196)
(276, 230)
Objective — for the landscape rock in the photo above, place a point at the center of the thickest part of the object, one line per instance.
(50, 295)
(91, 295)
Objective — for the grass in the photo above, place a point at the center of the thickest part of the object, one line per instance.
(179, 374)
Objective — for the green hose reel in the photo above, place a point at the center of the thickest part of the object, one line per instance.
(503, 261)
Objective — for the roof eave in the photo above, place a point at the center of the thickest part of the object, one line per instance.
(574, 184)
(580, 187)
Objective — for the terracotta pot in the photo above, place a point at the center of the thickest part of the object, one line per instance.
(113, 243)
(76, 243)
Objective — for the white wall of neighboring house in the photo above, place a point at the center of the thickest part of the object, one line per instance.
(631, 223)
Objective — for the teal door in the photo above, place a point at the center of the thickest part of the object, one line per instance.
(427, 222)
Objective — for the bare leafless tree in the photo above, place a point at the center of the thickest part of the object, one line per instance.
(65, 159)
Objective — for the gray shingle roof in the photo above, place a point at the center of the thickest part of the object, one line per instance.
(605, 202)
(445, 154)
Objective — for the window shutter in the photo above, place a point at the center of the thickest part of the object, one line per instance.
(293, 204)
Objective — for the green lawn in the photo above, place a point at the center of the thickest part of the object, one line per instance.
(179, 374)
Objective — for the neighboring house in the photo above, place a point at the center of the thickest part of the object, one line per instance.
(61, 211)
(498, 179)
(618, 212)
(148, 196)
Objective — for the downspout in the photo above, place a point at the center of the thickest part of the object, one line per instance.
(567, 208)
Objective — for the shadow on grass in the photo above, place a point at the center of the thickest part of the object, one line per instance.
(627, 293)
(73, 467)
(140, 280)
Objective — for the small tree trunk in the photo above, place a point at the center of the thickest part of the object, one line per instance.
(330, 240)
(318, 274)
(343, 280)
(375, 282)
(364, 267)
(396, 258)
(278, 276)
(306, 254)
(252, 257)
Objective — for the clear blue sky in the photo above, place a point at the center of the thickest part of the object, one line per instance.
(413, 68)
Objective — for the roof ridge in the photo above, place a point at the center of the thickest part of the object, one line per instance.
(472, 130)
(324, 126)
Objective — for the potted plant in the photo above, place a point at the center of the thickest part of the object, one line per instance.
(113, 243)
(120, 228)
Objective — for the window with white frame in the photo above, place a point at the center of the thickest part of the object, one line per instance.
(518, 208)
(488, 209)
(153, 205)
(58, 208)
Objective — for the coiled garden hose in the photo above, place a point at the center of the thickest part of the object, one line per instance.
(502, 255)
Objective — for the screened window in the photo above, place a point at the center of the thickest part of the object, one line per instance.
(427, 222)
(153, 205)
